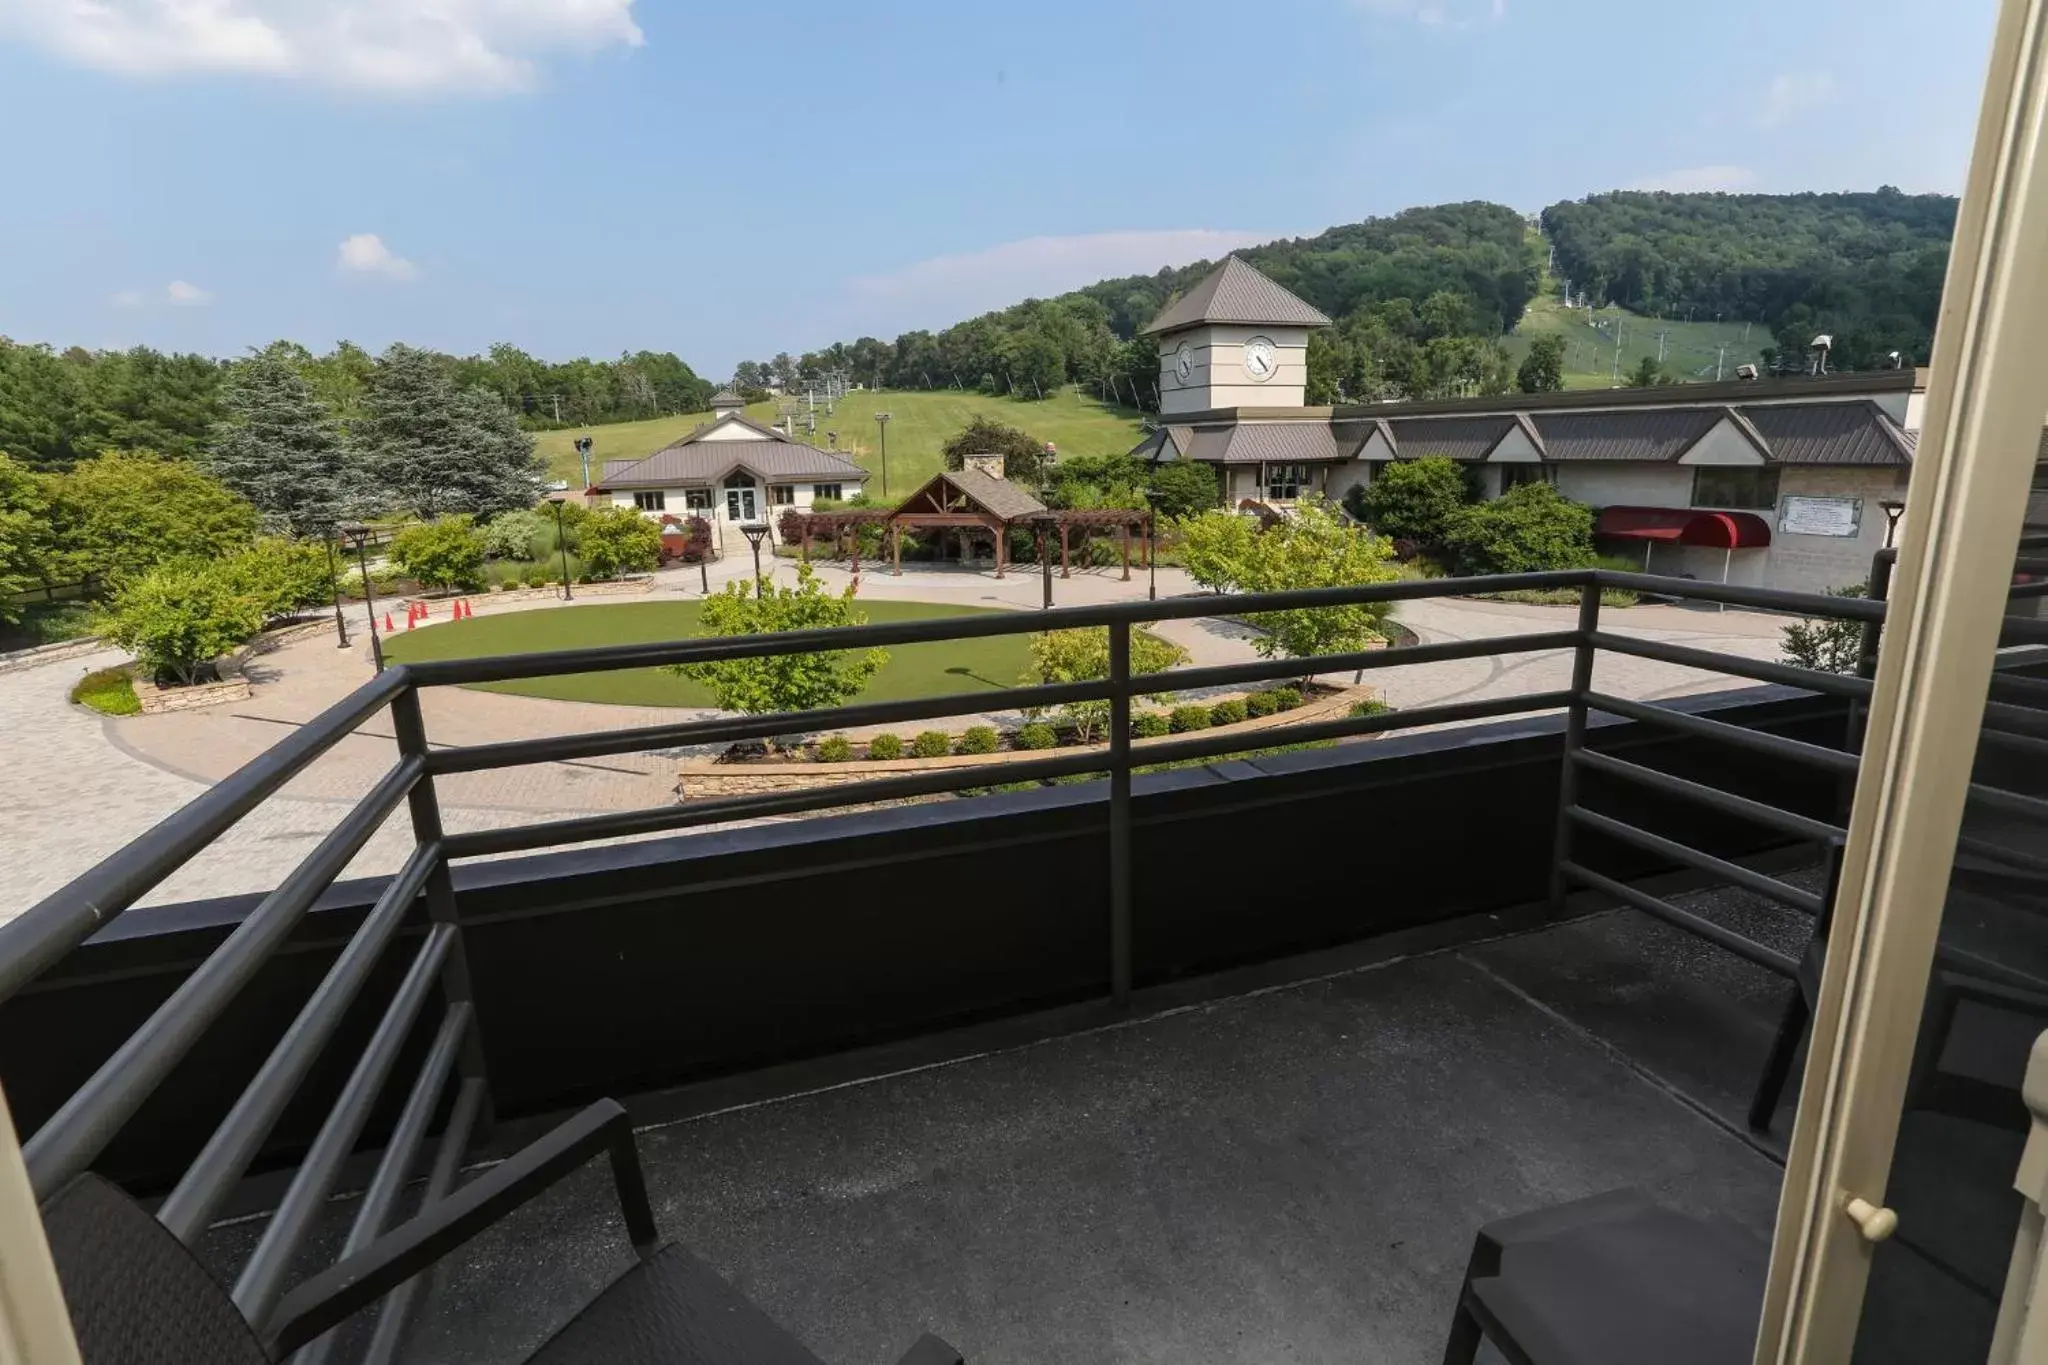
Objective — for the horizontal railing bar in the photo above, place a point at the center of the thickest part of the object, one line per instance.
(2026, 629)
(2026, 744)
(2018, 686)
(1345, 727)
(1797, 750)
(394, 1168)
(1789, 821)
(1223, 675)
(1769, 959)
(1782, 892)
(660, 819)
(1734, 595)
(1985, 848)
(234, 1144)
(697, 649)
(397, 1310)
(2033, 807)
(1834, 684)
(74, 1135)
(261, 1283)
(2023, 591)
(67, 917)
(728, 729)
(2022, 720)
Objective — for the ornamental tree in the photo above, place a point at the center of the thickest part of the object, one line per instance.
(787, 682)
(127, 510)
(1413, 499)
(1528, 528)
(1315, 549)
(617, 540)
(180, 616)
(1213, 547)
(1071, 656)
(448, 553)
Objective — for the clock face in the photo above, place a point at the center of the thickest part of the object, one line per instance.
(1184, 363)
(1261, 361)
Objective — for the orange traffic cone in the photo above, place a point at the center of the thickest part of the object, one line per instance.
(388, 627)
(461, 609)
(412, 621)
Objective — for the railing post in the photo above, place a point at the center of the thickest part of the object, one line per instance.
(1120, 812)
(1574, 739)
(425, 806)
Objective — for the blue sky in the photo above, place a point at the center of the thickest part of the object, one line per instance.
(591, 176)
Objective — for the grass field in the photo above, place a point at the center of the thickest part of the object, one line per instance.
(1692, 350)
(927, 670)
(919, 424)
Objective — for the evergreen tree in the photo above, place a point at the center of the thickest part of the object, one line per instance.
(433, 450)
(278, 447)
(1542, 369)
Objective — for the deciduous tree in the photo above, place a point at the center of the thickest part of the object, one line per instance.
(1542, 369)
(787, 682)
(618, 540)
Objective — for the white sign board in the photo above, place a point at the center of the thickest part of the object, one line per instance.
(1820, 516)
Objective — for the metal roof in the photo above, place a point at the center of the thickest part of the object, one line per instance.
(1236, 292)
(1466, 439)
(726, 398)
(1830, 433)
(1279, 443)
(1627, 434)
(694, 461)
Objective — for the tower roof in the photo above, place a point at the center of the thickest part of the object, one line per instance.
(1236, 292)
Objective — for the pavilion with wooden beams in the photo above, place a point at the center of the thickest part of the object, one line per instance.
(970, 500)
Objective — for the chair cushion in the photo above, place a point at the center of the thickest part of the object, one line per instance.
(672, 1309)
(137, 1296)
(1651, 1286)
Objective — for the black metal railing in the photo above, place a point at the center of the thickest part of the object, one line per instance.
(75, 1135)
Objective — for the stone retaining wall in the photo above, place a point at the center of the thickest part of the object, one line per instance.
(158, 700)
(612, 587)
(701, 778)
(16, 660)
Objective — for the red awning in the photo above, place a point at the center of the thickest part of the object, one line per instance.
(1684, 526)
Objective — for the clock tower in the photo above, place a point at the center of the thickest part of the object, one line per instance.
(1236, 340)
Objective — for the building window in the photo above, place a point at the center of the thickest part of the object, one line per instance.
(1744, 486)
(825, 490)
(697, 499)
(1515, 475)
(1284, 482)
(781, 494)
(653, 500)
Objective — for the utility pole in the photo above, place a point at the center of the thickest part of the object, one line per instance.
(882, 424)
(558, 408)
(1719, 361)
(1660, 346)
(1617, 356)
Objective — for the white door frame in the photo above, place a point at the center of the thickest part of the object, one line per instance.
(1964, 510)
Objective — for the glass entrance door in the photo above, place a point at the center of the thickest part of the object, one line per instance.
(739, 504)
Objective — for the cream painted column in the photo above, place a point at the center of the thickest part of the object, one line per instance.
(1964, 510)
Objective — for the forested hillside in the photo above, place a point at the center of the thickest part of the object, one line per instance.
(58, 407)
(1866, 268)
(1418, 296)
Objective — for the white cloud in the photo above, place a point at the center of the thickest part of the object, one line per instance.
(186, 295)
(384, 46)
(945, 289)
(366, 254)
(1447, 14)
(1793, 93)
(126, 298)
(1699, 179)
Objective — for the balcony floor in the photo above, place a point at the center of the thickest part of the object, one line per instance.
(1291, 1175)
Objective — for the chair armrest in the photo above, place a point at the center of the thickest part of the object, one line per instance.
(329, 1298)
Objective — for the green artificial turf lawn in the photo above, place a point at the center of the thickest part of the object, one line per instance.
(927, 670)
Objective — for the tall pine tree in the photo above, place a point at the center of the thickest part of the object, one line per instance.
(278, 447)
(434, 449)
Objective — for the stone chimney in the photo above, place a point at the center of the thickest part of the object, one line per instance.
(991, 465)
(726, 401)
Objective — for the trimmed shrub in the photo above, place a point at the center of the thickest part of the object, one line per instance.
(885, 747)
(1286, 698)
(931, 744)
(979, 739)
(1037, 735)
(1528, 528)
(1149, 725)
(1260, 704)
(537, 578)
(1411, 499)
(1185, 718)
(1228, 712)
(835, 749)
(1371, 706)
(111, 692)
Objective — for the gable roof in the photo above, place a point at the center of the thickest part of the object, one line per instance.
(1236, 292)
(1466, 439)
(701, 457)
(1624, 434)
(998, 496)
(726, 398)
(1830, 433)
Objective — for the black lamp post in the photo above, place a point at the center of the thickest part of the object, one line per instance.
(1044, 523)
(334, 585)
(562, 544)
(1892, 511)
(1151, 545)
(755, 532)
(882, 425)
(359, 536)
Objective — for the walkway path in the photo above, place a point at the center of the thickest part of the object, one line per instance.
(79, 786)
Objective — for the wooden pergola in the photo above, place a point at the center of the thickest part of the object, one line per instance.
(969, 500)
